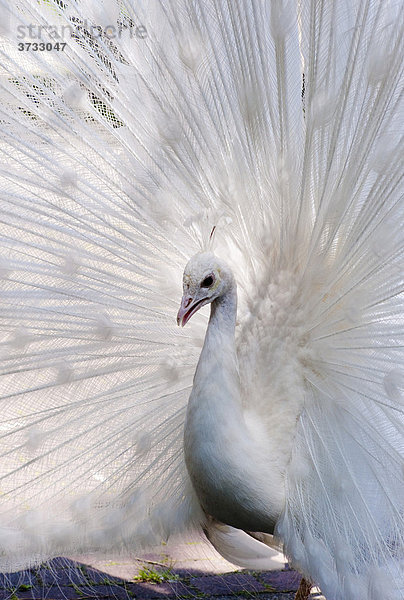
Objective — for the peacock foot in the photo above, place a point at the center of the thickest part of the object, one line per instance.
(304, 590)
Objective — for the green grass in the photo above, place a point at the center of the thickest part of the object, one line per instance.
(153, 576)
(24, 587)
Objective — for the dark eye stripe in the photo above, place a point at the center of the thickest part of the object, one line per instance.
(207, 282)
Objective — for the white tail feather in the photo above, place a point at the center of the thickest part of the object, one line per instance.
(240, 548)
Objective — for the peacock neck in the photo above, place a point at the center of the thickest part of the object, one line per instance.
(222, 322)
(219, 351)
(227, 467)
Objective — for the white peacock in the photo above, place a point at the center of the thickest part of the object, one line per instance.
(264, 139)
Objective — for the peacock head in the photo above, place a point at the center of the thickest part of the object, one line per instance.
(206, 277)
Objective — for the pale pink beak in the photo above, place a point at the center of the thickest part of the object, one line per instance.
(187, 309)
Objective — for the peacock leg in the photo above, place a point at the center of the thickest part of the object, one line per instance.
(304, 590)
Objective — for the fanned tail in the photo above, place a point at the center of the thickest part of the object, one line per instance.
(95, 375)
(344, 520)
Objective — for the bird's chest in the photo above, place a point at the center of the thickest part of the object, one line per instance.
(227, 474)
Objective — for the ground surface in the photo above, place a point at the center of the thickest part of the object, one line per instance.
(180, 570)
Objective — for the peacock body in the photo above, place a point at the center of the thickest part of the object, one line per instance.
(262, 139)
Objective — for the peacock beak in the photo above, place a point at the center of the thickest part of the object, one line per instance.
(187, 309)
(186, 302)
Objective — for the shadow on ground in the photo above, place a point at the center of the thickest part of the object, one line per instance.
(63, 578)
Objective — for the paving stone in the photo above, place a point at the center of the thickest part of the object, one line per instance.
(61, 593)
(62, 565)
(281, 581)
(226, 584)
(203, 575)
(104, 591)
(188, 573)
(172, 589)
(33, 593)
(95, 576)
(61, 562)
(120, 569)
(270, 596)
(14, 580)
(62, 577)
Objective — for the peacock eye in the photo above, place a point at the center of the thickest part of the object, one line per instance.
(207, 282)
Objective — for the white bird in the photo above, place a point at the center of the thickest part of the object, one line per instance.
(263, 139)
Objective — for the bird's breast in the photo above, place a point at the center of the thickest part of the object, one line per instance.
(230, 472)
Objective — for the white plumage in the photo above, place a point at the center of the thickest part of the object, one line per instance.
(269, 134)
